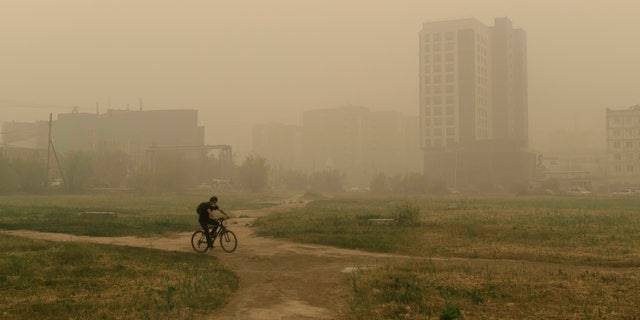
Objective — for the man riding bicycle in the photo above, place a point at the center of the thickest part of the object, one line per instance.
(206, 216)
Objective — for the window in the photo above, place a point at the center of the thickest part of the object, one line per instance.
(437, 79)
(427, 89)
(449, 57)
(437, 122)
(436, 37)
(427, 101)
(427, 132)
(449, 110)
(437, 132)
(436, 58)
(449, 67)
(629, 168)
(451, 132)
(436, 47)
(427, 111)
(437, 68)
(448, 36)
(449, 89)
(449, 78)
(450, 100)
(427, 69)
(437, 100)
(427, 37)
(437, 111)
(448, 46)
(450, 121)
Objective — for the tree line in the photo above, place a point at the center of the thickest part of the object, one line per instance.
(176, 172)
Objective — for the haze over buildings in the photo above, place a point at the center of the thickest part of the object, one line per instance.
(246, 62)
(474, 103)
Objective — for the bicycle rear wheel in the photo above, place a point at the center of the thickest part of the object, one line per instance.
(228, 241)
(199, 241)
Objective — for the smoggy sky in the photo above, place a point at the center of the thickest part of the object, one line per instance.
(242, 62)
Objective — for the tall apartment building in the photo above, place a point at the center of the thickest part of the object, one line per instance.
(623, 146)
(473, 102)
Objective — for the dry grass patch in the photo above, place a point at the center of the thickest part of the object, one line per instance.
(494, 290)
(46, 280)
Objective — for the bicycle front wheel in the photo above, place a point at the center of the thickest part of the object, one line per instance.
(199, 242)
(228, 241)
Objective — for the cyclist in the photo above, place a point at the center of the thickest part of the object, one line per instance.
(206, 216)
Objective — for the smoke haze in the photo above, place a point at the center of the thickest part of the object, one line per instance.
(252, 61)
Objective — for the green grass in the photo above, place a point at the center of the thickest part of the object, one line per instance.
(482, 258)
(599, 232)
(45, 280)
(139, 215)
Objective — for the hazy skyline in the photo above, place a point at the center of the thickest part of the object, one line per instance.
(247, 62)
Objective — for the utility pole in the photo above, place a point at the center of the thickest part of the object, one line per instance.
(48, 149)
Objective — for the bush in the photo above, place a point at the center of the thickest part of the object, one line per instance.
(408, 213)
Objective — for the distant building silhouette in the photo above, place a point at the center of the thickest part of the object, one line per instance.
(130, 132)
(352, 140)
(473, 103)
(280, 144)
(623, 146)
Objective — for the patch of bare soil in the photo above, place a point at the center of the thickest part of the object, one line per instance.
(278, 279)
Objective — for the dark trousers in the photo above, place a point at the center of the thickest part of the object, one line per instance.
(204, 223)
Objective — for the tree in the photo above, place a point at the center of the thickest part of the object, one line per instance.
(414, 183)
(295, 180)
(171, 172)
(379, 183)
(109, 169)
(327, 181)
(77, 170)
(253, 173)
(22, 175)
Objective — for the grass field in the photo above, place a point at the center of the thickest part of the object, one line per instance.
(470, 258)
(135, 215)
(46, 280)
(483, 258)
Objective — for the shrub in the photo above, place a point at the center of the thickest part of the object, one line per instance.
(408, 213)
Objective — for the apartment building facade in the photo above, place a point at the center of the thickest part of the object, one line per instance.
(623, 146)
(473, 102)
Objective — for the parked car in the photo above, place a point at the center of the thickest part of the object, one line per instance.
(578, 191)
(623, 192)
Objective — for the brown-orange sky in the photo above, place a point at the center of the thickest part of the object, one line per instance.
(244, 62)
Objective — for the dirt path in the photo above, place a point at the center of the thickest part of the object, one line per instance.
(278, 279)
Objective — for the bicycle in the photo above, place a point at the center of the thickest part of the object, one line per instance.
(228, 240)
